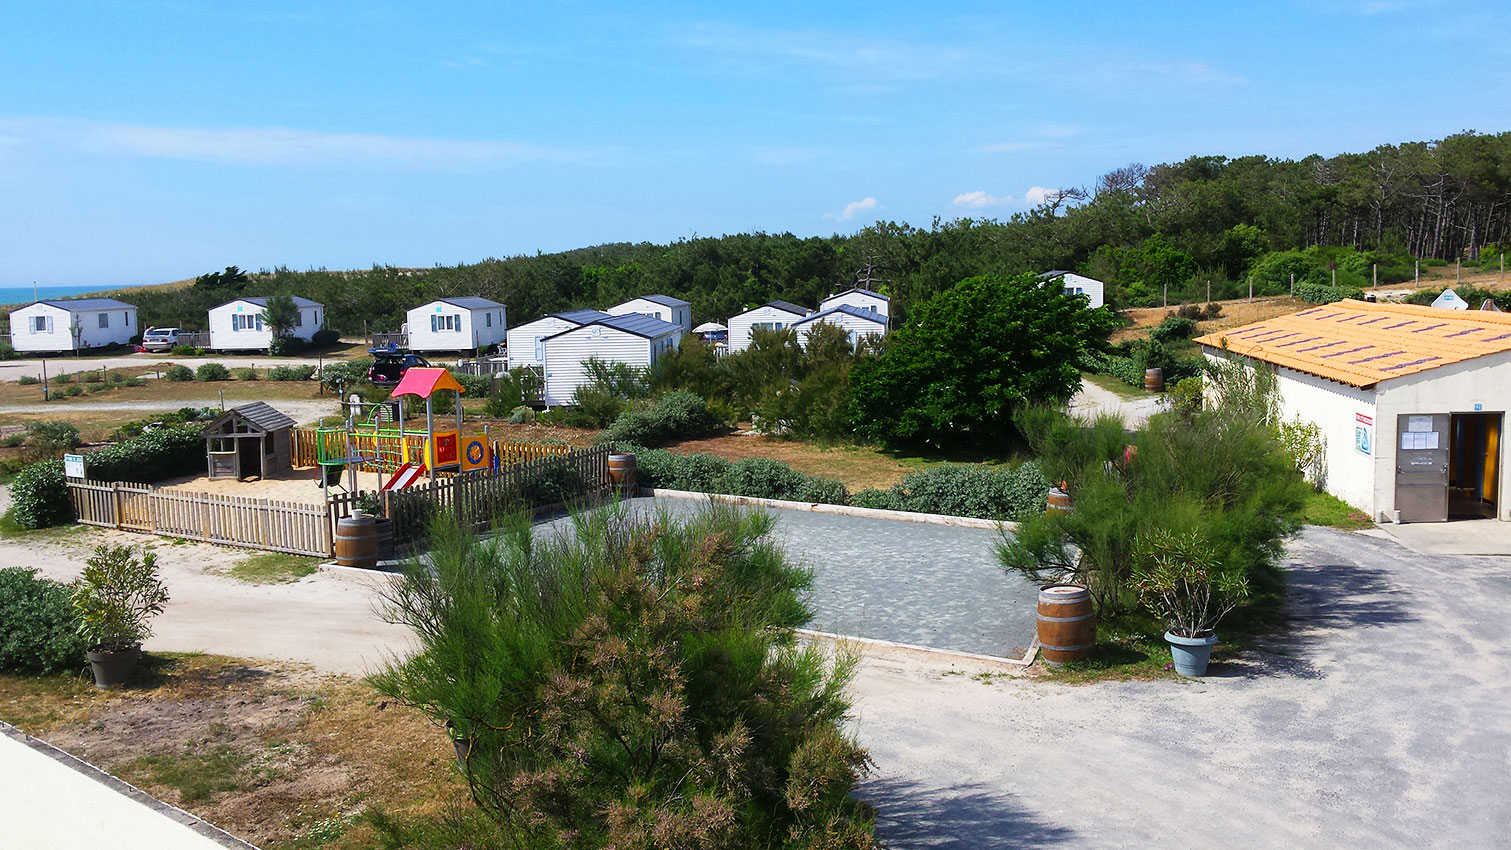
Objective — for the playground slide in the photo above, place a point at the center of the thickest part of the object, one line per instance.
(406, 475)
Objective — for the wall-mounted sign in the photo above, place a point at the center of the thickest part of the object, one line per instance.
(1419, 423)
(73, 466)
(1364, 434)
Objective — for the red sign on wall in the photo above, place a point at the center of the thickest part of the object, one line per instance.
(445, 449)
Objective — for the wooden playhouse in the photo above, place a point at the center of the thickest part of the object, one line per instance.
(249, 440)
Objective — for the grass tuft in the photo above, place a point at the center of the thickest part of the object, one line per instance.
(1327, 509)
(273, 568)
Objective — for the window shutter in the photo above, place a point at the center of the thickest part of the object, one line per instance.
(435, 322)
(456, 322)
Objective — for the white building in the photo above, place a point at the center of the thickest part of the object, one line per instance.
(663, 307)
(855, 321)
(1410, 401)
(238, 325)
(860, 299)
(1079, 284)
(456, 324)
(527, 342)
(72, 324)
(633, 340)
(771, 316)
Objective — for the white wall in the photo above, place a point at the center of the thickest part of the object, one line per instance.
(58, 334)
(853, 325)
(858, 300)
(740, 326)
(474, 329)
(1457, 388)
(522, 340)
(566, 354)
(681, 316)
(51, 801)
(1088, 286)
(223, 338)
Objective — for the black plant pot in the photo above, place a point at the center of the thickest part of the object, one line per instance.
(462, 746)
(113, 669)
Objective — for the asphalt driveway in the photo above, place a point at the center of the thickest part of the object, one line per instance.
(1381, 719)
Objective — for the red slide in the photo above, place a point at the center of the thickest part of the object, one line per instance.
(406, 475)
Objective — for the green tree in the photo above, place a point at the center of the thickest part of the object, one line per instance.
(1151, 267)
(280, 314)
(231, 281)
(970, 356)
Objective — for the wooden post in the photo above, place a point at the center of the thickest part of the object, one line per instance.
(1209, 291)
(115, 490)
(1251, 289)
(1457, 277)
(1416, 272)
(1293, 284)
(1167, 295)
(1374, 275)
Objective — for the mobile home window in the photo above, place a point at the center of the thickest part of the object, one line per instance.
(39, 324)
(540, 348)
(298, 318)
(487, 320)
(104, 320)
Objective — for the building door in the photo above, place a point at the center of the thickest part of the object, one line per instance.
(1422, 450)
(1474, 465)
(248, 457)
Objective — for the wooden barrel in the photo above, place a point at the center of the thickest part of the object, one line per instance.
(1067, 626)
(357, 541)
(1154, 380)
(622, 473)
(383, 528)
(1058, 502)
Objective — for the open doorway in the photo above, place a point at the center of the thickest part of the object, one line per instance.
(1474, 465)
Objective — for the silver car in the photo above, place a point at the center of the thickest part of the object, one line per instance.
(160, 339)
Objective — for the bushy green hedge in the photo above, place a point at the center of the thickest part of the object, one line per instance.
(39, 629)
(475, 386)
(156, 455)
(678, 415)
(762, 478)
(291, 373)
(178, 372)
(1321, 293)
(985, 492)
(212, 372)
(39, 496)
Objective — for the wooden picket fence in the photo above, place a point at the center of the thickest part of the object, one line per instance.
(268, 524)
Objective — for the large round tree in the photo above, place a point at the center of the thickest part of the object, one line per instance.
(968, 357)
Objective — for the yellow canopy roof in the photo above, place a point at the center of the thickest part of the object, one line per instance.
(1362, 343)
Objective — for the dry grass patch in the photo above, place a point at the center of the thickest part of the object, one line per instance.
(271, 752)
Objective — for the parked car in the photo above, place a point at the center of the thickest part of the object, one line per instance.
(390, 365)
(160, 339)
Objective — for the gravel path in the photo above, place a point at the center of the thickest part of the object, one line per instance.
(302, 411)
(10, 370)
(1092, 401)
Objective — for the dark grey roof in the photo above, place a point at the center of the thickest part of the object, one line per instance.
(664, 300)
(470, 302)
(86, 304)
(1054, 273)
(581, 317)
(847, 310)
(861, 291)
(262, 301)
(638, 324)
(259, 413)
(790, 307)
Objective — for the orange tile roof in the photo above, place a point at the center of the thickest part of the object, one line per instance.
(1362, 343)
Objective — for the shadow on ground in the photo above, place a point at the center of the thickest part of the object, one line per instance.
(966, 815)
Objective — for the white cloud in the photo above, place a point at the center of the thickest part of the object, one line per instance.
(1038, 194)
(850, 210)
(281, 146)
(979, 199)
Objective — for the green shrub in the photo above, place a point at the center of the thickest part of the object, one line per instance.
(555, 481)
(970, 490)
(28, 380)
(99, 388)
(1321, 293)
(73, 390)
(291, 373)
(884, 500)
(39, 629)
(178, 373)
(8, 352)
(475, 386)
(825, 491)
(284, 346)
(678, 415)
(1173, 328)
(187, 351)
(63, 378)
(54, 436)
(212, 372)
(12, 441)
(324, 338)
(348, 374)
(39, 496)
(91, 377)
(155, 455)
(116, 596)
(763, 478)
(521, 415)
(633, 682)
(246, 374)
(594, 406)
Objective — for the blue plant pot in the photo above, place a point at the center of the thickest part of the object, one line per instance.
(1190, 654)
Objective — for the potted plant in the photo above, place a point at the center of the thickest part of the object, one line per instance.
(116, 596)
(1180, 578)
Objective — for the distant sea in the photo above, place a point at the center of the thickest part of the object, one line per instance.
(23, 294)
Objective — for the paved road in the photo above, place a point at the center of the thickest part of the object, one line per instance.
(10, 370)
(1382, 720)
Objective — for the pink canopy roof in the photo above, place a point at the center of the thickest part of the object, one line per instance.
(423, 380)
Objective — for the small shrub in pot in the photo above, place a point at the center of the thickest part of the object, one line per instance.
(116, 597)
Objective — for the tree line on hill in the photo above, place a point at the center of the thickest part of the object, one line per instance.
(1151, 232)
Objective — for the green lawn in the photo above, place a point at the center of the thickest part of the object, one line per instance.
(1114, 385)
(273, 568)
(1327, 509)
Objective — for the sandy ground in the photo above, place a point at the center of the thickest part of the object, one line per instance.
(1093, 401)
(295, 485)
(1378, 720)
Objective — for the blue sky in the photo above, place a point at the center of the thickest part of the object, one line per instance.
(150, 141)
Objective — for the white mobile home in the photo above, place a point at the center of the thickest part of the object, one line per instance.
(771, 316)
(527, 342)
(1079, 284)
(456, 324)
(860, 299)
(663, 307)
(72, 324)
(856, 322)
(238, 325)
(1410, 402)
(634, 340)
